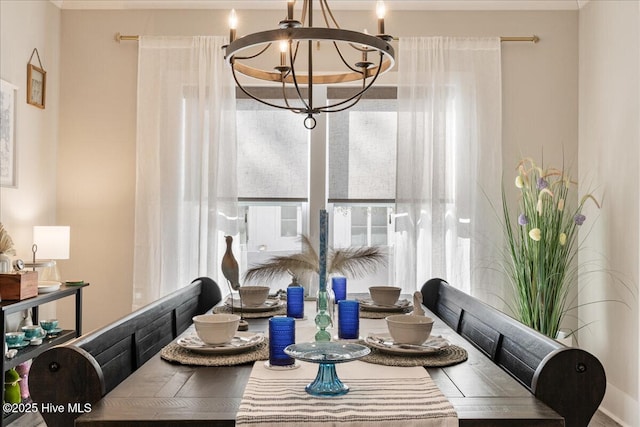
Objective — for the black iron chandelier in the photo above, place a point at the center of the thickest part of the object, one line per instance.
(365, 57)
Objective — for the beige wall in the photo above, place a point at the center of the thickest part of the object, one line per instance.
(609, 129)
(25, 25)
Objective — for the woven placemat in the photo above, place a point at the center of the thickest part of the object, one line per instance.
(451, 355)
(280, 311)
(176, 354)
(367, 314)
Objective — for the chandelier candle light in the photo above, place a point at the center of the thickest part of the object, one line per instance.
(351, 47)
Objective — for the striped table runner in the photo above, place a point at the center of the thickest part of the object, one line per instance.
(378, 395)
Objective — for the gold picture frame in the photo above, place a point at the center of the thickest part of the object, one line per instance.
(36, 86)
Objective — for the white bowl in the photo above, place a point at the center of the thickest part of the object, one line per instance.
(384, 295)
(409, 328)
(253, 296)
(216, 329)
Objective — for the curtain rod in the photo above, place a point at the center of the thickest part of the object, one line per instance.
(535, 39)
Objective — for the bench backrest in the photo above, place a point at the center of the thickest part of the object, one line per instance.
(569, 380)
(85, 369)
(124, 345)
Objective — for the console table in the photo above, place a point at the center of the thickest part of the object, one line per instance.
(10, 307)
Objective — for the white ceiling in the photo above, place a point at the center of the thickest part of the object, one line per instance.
(335, 4)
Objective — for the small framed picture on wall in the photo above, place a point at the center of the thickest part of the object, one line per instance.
(36, 85)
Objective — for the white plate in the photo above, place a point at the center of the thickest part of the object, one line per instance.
(368, 305)
(46, 286)
(268, 305)
(243, 341)
(385, 343)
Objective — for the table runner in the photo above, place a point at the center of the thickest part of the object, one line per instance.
(378, 395)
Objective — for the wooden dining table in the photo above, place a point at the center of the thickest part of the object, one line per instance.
(161, 393)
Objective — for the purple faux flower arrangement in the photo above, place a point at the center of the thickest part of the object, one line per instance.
(543, 244)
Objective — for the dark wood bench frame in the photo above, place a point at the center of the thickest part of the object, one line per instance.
(569, 380)
(80, 372)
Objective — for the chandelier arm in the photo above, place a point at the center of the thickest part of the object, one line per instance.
(344, 61)
(284, 95)
(286, 101)
(323, 110)
(307, 106)
(326, 5)
(305, 6)
(327, 109)
(255, 98)
(357, 99)
(295, 55)
(256, 55)
(324, 14)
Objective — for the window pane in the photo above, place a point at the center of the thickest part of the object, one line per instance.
(379, 216)
(358, 236)
(359, 216)
(362, 151)
(272, 152)
(288, 221)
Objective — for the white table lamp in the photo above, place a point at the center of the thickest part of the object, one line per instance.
(51, 243)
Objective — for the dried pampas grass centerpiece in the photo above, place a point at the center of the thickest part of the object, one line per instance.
(354, 262)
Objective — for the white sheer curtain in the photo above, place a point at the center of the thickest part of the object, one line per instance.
(449, 156)
(186, 185)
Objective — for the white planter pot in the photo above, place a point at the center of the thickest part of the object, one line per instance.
(565, 338)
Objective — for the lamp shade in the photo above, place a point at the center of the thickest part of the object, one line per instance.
(52, 241)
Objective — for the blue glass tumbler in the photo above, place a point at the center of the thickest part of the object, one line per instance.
(295, 302)
(339, 286)
(348, 319)
(282, 332)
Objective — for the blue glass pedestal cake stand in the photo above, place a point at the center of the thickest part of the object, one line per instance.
(327, 354)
